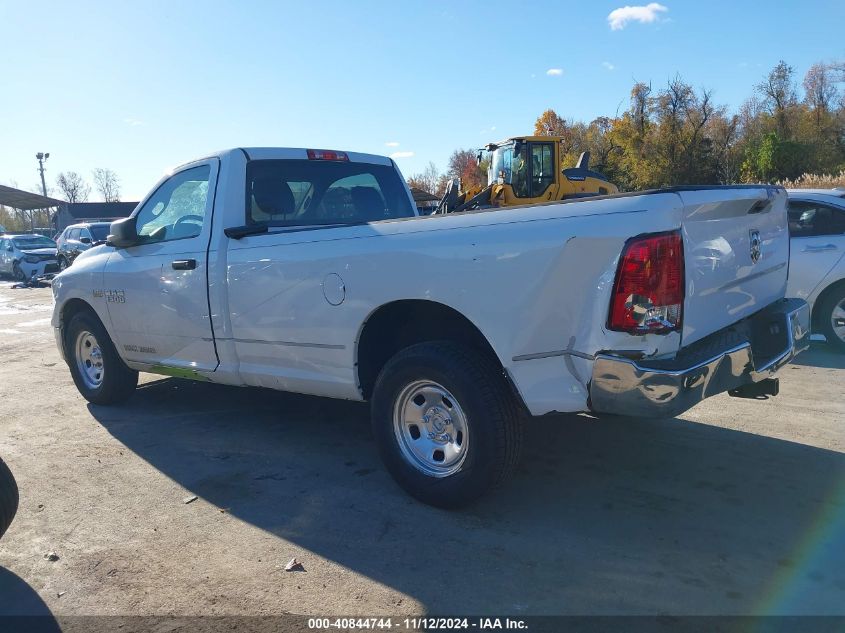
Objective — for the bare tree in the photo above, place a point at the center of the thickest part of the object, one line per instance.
(778, 91)
(107, 183)
(724, 132)
(74, 188)
(640, 104)
(820, 89)
(428, 180)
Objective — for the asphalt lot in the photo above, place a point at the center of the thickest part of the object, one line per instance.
(736, 507)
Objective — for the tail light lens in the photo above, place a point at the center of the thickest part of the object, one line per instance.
(648, 293)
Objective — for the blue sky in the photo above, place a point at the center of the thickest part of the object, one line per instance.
(142, 86)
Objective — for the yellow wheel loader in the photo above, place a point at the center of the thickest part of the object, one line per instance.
(526, 170)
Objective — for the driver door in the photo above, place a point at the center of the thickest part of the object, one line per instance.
(156, 292)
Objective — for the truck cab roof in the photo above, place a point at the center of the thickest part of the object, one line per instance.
(298, 153)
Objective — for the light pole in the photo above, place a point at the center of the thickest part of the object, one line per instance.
(42, 157)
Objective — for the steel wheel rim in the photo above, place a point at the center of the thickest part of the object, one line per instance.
(837, 320)
(89, 359)
(431, 428)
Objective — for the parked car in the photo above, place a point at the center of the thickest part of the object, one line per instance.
(77, 238)
(310, 271)
(8, 497)
(27, 255)
(817, 261)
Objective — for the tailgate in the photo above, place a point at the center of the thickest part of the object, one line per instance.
(736, 254)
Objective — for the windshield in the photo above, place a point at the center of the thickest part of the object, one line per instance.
(33, 241)
(501, 164)
(99, 232)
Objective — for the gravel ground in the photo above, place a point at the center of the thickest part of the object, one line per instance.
(736, 507)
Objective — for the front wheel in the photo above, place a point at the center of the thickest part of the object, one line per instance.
(17, 273)
(100, 374)
(446, 423)
(63, 264)
(832, 318)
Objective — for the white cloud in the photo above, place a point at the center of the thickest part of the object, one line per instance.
(608, 65)
(392, 144)
(133, 122)
(619, 18)
(554, 72)
(401, 154)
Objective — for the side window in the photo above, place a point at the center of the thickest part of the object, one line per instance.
(542, 166)
(84, 233)
(809, 219)
(73, 234)
(177, 208)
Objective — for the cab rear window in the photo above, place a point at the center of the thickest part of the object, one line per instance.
(319, 192)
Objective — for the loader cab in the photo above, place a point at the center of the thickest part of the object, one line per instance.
(527, 165)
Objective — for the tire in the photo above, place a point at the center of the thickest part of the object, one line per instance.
(99, 373)
(468, 410)
(17, 273)
(63, 263)
(833, 307)
(8, 497)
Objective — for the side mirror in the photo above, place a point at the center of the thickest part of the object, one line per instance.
(85, 240)
(122, 233)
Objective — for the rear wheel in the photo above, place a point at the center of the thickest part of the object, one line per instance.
(100, 374)
(8, 497)
(63, 263)
(832, 318)
(446, 423)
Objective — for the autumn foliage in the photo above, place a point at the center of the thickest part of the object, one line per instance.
(677, 134)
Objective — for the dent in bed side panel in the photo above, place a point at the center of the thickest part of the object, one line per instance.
(549, 385)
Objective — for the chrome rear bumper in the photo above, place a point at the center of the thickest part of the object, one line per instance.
(747, 352)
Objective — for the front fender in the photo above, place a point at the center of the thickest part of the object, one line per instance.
(81, 283)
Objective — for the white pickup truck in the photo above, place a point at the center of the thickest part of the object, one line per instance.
(309, 271)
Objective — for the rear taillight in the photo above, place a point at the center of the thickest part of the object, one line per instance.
(326, 154)
(648, 293)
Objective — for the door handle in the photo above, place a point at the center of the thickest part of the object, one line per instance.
(819, 249)
(184, 264)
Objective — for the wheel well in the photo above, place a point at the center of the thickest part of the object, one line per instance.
(74, 307)
(400, 324)
(816, 315)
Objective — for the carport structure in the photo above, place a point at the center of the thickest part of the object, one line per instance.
(26, 201)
